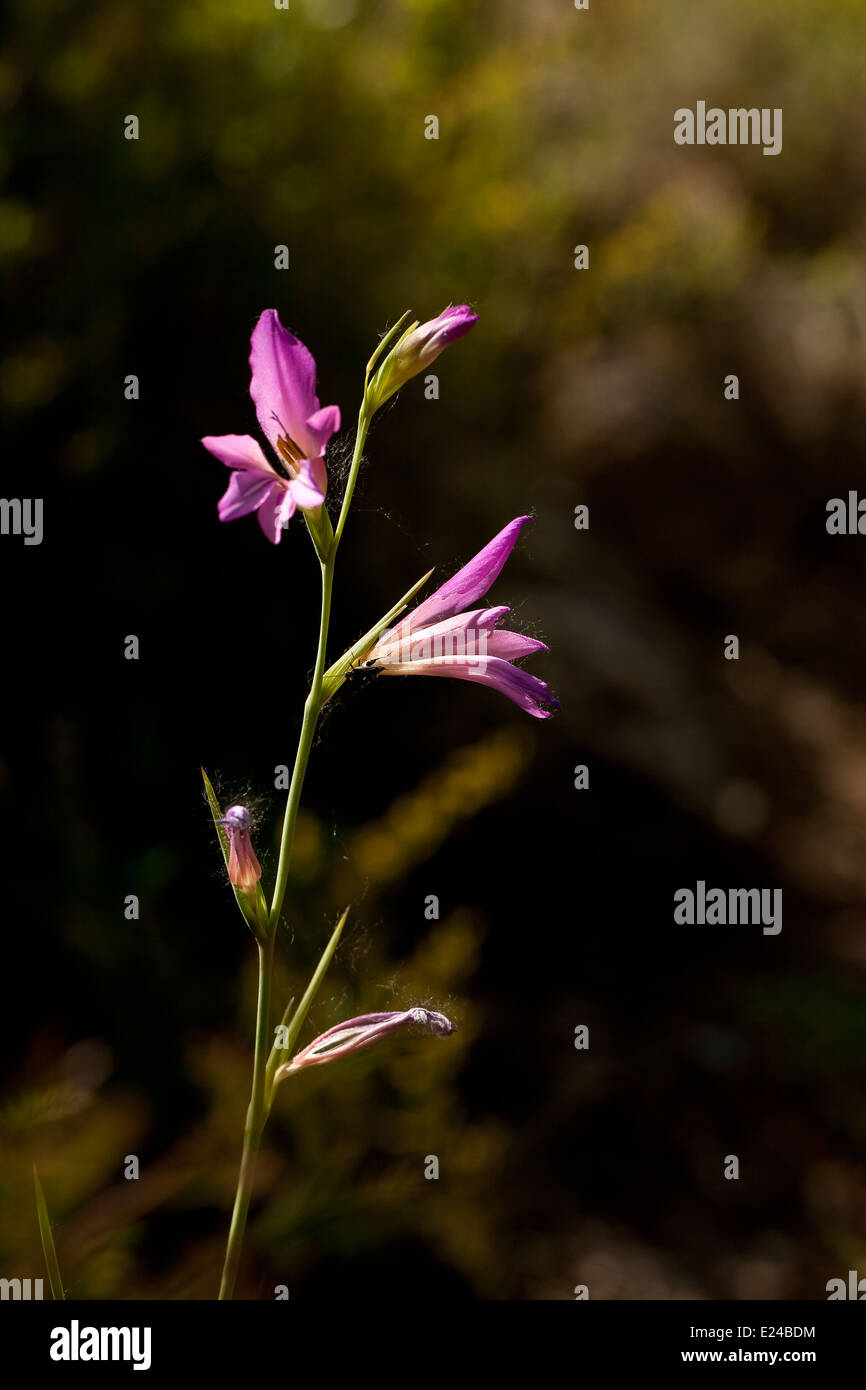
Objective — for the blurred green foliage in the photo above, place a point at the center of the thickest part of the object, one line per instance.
(306, 127)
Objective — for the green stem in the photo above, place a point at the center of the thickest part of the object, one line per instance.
(305, 744)
(313, 705)
(257, 1112)
(363, 425)
(255, 1122)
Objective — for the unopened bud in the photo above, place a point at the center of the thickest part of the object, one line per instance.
(244, 868)
(420, 345)
(361, 1032)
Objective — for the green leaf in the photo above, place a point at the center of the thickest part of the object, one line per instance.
(383, 343)
(216, 812)
(282, 1054)
(47, 1236)
(336, 674)
(321, 532)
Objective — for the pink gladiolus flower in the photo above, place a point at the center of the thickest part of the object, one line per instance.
(283, 389)
(439, 638)
(244, 868)
(358, 1033)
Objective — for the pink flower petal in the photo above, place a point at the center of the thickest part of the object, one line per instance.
(238, 451)
(247, 491)
(304, 488)
(463, 635)
(518, 685)
(468, 584)
(283, 388)
(318, 473)
(512, 645)
(275, 512)
(283, 385)
(320, 427)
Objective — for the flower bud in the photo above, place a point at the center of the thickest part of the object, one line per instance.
(244, 868)
(358, 1033)
(420, 345)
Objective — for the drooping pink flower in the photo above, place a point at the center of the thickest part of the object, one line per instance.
(244, 868)
(441, 638)
(357, 1033)
(283, 388)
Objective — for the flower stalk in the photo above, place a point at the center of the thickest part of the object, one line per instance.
(260, 1100)
(255, 1121)
(298, 429)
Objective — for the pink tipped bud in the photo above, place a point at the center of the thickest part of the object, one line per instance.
(422, 345)
(244, 868)
(358, 1033)
(419, 346)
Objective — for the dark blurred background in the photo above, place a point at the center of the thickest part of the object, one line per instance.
(707, 518)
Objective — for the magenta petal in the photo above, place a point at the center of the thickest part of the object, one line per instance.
(268, 518)
(452, 323)
(305, 489)
(275, 512)
(319, 429)
(283, 386)
(482, 618)
(512, 645)
(352, 1025)
(423, 344)
(466, 634)
(318, 473)
(238, 451)
(468, 584)
(526, 690)
(247, 490)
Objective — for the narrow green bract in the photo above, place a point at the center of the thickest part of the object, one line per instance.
(47, 1237)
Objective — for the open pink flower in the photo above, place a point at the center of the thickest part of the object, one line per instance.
(283, 389)
(439, 638)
